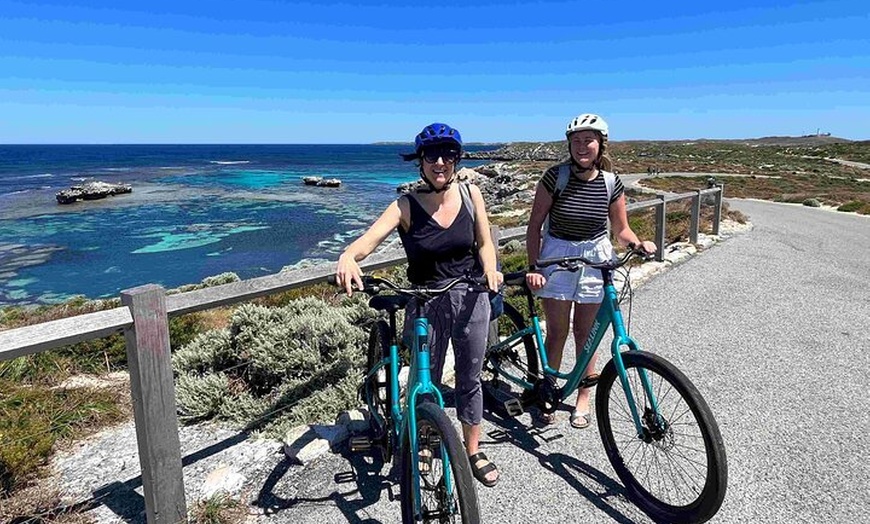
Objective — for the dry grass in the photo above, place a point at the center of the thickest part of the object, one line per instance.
(41, 504)
(35, 421)
(219, 509)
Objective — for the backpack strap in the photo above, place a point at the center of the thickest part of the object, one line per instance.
(565, 175)
(465, 193)
(562, 180)
(610, 182)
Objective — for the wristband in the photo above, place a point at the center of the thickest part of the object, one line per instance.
(532, 267)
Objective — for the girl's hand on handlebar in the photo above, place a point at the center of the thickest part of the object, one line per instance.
(649, 247)
(348, 273)
(535, 280)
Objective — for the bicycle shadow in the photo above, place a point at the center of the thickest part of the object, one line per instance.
(365, 473)
(576, 473)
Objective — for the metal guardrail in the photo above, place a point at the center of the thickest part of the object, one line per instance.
(144, 320)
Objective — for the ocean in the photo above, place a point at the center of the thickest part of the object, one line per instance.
(195, 211)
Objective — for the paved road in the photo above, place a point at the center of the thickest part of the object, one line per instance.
(772, 326)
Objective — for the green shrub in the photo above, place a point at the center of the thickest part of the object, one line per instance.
(301, 362)
(200, 396)
(855, 206)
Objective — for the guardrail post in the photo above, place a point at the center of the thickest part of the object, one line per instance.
(660, 228)
(695, 219)
(153, 391)
(717, 209)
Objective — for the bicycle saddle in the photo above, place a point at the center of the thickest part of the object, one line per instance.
(389, 303)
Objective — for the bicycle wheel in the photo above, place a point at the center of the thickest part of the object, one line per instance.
(677, 471)
(518, 359)
(378, 393)
(438, 444)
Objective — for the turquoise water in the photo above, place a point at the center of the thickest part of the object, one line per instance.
(195, 211)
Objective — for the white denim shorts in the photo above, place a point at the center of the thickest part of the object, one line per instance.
(585, 285)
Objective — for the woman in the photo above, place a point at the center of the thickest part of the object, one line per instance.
(443, 240)
(576, 217)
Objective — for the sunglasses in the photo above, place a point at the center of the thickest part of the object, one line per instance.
(449, 156)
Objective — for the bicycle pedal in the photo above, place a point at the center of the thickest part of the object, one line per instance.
(360, 444)
(513, 407)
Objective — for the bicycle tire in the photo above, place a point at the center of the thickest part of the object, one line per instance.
(434, 432)
(378, 390)
(636, 459)
(519, 359)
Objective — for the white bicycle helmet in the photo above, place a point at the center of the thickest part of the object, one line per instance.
(587, 121)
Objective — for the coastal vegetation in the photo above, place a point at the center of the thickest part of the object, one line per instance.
(832, 171)
(297, 357)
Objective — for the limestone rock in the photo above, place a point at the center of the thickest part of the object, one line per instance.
(92, 190)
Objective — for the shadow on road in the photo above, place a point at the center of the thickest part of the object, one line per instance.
(576, 473)
(364, 478)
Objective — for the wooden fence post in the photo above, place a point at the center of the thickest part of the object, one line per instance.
(660, 229)
(695, 219)
(153, 391)
(717, 209)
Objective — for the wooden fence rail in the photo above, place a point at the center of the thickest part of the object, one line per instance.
(144, 320)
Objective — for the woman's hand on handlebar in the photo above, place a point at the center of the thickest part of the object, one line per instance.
(494, 280)
(348, 273)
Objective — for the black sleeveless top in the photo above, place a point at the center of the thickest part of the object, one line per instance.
(436, 254)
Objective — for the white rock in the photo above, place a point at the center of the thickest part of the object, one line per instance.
(222, 480)
(303, 444)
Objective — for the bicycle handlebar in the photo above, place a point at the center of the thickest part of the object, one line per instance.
(372, 286)
(573, 264)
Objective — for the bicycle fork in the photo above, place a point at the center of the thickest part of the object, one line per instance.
(621, 338)
(420, 368)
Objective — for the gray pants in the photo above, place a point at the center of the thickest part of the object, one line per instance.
(460, 316)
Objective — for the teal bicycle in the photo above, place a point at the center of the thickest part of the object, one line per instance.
(436, 483)
(658, 432)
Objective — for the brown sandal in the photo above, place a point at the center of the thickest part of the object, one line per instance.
(481, 472)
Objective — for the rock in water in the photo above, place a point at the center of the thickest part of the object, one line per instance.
(91, 191)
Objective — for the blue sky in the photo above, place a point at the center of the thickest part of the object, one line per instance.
(355, 72)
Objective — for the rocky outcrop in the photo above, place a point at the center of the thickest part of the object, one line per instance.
(533, 151)
(93, 190)
(319, 181)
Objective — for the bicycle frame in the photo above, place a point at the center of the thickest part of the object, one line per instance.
(404, 419)
(608, 314)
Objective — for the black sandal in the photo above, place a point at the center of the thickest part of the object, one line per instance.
(481, 472)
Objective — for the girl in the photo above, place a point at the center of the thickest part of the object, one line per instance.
(576, 214)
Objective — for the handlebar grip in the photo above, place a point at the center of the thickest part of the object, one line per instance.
(480, 281)
(517, 278)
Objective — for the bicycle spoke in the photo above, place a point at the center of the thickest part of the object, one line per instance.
(670, 460)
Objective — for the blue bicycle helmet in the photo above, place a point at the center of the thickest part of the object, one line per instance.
(434, 134)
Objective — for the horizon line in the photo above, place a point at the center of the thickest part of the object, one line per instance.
(395, 142)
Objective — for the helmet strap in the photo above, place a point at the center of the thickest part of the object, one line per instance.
(432, 188)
